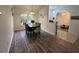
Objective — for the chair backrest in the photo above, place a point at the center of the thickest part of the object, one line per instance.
(38, 28)
(38, 25)
(26, 27)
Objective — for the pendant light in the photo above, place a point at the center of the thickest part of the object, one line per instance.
(32, 11)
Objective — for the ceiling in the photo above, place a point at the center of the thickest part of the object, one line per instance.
(35, 8)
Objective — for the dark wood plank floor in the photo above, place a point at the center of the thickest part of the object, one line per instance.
(43, 43)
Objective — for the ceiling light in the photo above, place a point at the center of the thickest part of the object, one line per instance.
(63, 14)
(0, 13)
(32, 12)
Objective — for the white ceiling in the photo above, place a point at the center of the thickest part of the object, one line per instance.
(35, 8)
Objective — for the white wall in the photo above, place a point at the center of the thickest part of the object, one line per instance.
(74, 27)
(6, 28)
(50, 27)
(74, 11)
(43, 19)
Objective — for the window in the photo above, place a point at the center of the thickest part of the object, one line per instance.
(26, 17)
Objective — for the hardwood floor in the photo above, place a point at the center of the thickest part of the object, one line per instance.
(43, 43)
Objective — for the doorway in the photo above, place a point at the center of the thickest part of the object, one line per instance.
(62, 24)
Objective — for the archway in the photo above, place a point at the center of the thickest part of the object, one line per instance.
(63, 17)
(62, 23)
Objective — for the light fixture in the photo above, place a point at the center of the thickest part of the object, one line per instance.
(32, 12)
(0, 13)
(63, 14)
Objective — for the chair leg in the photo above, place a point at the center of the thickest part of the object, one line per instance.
(39, 33)
(33, 32)
(26, 32)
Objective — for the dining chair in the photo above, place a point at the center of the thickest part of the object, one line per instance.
(28, 29)
(38, 29)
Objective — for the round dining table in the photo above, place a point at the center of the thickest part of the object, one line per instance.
(32, 26)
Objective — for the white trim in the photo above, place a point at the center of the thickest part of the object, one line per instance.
(48, 32)
(10, 43)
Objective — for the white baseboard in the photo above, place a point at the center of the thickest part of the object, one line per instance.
(48, 32)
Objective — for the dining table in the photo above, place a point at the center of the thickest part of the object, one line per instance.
(31, 26)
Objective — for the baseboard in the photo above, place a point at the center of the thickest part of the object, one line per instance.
(10, 42)
(19, 30)
(48, 32)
